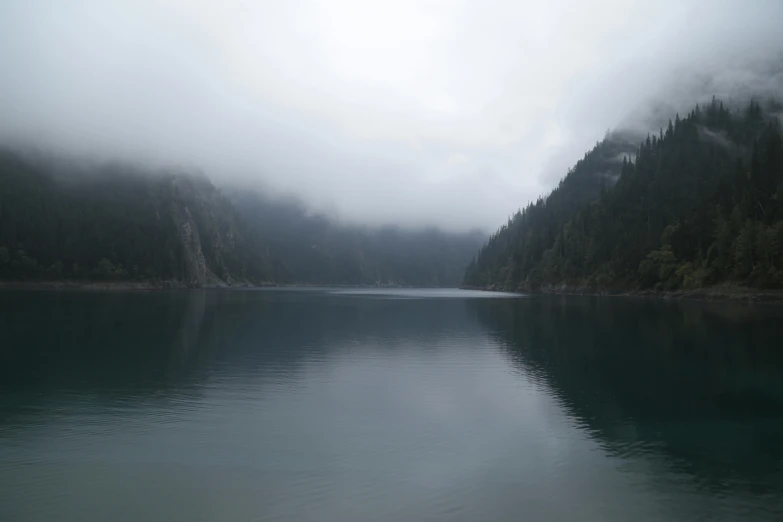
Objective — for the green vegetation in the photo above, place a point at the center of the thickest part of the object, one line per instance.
(314, 249)
(697, 205)
(65, 220)
(60, 220)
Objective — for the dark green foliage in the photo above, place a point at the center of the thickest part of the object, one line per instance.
(115, 222)
(699, 205)
(313, 249)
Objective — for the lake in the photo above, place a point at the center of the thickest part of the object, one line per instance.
(387, 405)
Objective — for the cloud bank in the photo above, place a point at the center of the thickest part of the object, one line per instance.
(412, 112)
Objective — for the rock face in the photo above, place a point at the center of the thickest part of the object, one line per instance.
(118, 222)
(215, 249)
(195, 271)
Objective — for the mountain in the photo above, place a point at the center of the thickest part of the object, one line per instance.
(311, 248)
(698, 204)
(66, 220)
(62, 219)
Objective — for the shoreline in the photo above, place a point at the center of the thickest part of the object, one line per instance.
(727, 293)
(118, 286)
(720, 293)
(150, 286)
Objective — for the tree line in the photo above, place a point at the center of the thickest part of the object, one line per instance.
(62, 219)
(696, 204)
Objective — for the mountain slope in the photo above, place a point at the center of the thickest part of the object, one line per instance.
(310, 248)
(60, 220)
(66, 220)
(699, 204)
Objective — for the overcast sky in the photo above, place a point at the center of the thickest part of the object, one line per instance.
(453, 113)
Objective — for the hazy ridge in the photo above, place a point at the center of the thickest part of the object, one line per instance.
(696, 204)
(109, 221)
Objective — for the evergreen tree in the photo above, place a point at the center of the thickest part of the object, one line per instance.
(686, 213)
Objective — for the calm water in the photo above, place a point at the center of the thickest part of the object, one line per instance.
(388, 405)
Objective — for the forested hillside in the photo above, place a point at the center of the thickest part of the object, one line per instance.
(697, 204)
(311, 248)
(111, 221)
(67, 220)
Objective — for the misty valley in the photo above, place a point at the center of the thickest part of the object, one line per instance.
(213, 395)
(696, 206)
(426, 261)
(75, 221)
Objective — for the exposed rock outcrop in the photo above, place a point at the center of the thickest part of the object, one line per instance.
(195, 271)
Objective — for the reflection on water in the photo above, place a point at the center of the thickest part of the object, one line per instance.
(387, 404)
(694, 387)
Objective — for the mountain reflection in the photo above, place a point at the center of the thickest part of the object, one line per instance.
(149, 342)
(700, 384)
(404, 405)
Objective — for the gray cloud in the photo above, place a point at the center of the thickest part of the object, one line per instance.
(452, 113)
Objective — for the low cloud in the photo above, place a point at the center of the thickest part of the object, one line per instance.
(717, 137)
(415, 113)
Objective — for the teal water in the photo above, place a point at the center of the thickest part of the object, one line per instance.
(387, 405)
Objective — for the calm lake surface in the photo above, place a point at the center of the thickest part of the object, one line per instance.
(387, 405)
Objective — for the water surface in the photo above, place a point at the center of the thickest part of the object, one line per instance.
(387, 405)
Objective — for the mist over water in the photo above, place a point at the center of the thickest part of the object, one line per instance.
(386, 404)
(180, 145)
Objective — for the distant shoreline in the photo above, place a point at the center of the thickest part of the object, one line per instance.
(718, 293)
(123, 286)
(113, 285)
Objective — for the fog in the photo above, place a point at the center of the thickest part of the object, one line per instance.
(409, 112)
